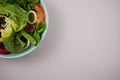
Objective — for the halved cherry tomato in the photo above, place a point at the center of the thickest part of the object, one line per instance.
(40, 13)
(3, 51)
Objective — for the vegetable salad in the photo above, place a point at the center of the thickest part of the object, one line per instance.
(22, 23)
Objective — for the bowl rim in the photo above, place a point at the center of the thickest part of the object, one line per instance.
(31, 48)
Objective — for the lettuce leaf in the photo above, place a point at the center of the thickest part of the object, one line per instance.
(14, 44)
(6, 33)
(10, 28)
(19, 15)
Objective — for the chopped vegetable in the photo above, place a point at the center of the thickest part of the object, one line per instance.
(22, 23)
(25, 4)
(15, 12)
(14, 44)
(39, 29)
(30, 28)
(27, 45)
(3, 51)
(3, 1)
(40, 13)
(1, 45)
(28, 37)
(37, 37)
(5, 33)
(32, 17)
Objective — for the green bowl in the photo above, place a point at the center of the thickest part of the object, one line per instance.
(31, 48)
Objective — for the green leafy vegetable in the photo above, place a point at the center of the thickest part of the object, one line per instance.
(39, 29)
(14, 36)
(37, 37)
(31, 3)
(19, 15)
(25, 4)
(6, 33)
(28, 37)
(14, 44)
(10, 28)
(3, 1)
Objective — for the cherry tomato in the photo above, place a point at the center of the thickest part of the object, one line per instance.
(39, 12)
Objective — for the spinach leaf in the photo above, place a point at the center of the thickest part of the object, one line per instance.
(41, 27)
(37, 37)
(38, 32)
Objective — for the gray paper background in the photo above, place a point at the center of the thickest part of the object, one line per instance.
(82, 43)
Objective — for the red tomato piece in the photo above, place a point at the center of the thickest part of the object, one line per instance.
(3, 51)
(40, 13)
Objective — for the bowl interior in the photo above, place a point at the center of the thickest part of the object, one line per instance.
(30, 48)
